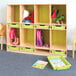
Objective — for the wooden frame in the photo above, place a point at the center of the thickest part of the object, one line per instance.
(45, 51)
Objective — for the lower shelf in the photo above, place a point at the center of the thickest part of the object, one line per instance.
(37, 52)
(46, 48)
(31, 45)
(58, 47)
(42, 52)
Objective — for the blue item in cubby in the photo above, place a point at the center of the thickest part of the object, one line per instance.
(26, 21)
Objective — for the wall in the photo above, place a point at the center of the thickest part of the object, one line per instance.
(71, 13)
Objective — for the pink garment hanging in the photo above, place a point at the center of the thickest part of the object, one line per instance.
(39, 41)
(12, 33)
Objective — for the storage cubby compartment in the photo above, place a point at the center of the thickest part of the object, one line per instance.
(13, 25)
(42, 38)
(13, 13)
(27, 13)
(42, 14)
(14, 36)
(60, 27)
(58, 39)
(28, 25)
(13, 47)
(57, 52)
(42, 52)
(26, 49)
(27, 37)
(42, 26)
(58, 14)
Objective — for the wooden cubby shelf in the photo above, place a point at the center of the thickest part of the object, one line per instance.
(42, 14)
(44, 29)
(9, 36)
(45, 39)
(60, 10)
(29, 8)
(13, 13)
(27, 37)
(58, 39)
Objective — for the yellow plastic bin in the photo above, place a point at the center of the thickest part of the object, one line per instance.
(28, 49)
(28, 25)
(57, 52)
(58, 27)
(42, 26)
(13, 25)
(14, 47)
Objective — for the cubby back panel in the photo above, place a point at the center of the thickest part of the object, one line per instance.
(23, 36)
(16, 13)
(30, 8)
(30, 35)
(43, 14)
(45, 36)
(59, 37)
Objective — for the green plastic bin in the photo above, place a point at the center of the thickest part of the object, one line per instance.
(28, 25)
(67, 64)
(28, 49)
(58, 27)
(14, 47)
(42, 26)
(57, 52)
(14, 25)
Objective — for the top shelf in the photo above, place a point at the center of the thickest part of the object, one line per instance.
(36, 14)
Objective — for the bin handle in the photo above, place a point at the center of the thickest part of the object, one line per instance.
(13, 23)
(13, 46)
(58, 51)
(58, 25)
(42, 25)
(27, 48)
(27, 24)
